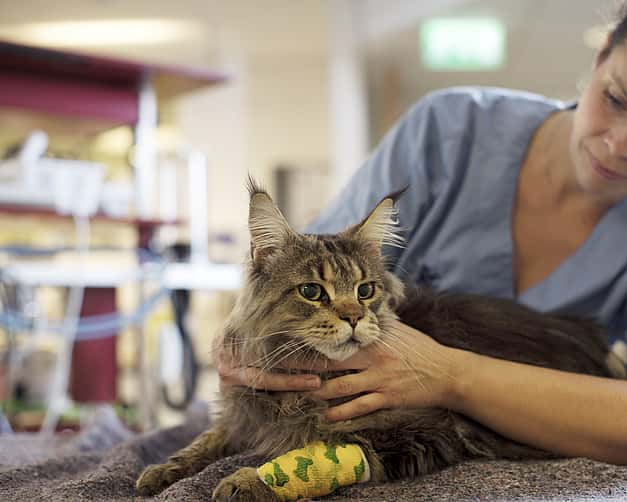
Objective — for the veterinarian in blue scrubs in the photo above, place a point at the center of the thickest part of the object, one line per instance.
(511, 195)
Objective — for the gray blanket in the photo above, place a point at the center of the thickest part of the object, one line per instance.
(103, 461)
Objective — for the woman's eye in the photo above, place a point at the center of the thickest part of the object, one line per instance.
(311, 291)
(365, 291)
(613, 100)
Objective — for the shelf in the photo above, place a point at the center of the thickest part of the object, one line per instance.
(16, 124)
(191, 276)
(41, 212)
(64, 275)
(78, 85)
(145, 227)
(203, 276)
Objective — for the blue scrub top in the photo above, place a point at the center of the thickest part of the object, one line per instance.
(459, 152)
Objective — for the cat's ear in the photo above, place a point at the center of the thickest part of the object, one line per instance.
(269, 229)
(380, 226)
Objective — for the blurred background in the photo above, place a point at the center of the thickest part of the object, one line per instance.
(127, 130)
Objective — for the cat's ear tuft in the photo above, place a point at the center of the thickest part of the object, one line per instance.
(381, 225)
(268, 227)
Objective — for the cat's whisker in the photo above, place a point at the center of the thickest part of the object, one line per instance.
(402, 269)
(311, 353)
(279, 357)
(230, 342)
(299, 347)
(268, 335)
(306, 353)
(395, 351)
(314, 360)
(248, 346)
(268, 360)
(266, 367)
(279, 348)
(262, 336)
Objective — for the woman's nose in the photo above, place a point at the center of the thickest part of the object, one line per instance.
(616, 141)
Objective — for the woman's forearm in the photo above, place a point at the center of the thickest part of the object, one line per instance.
(567, 413)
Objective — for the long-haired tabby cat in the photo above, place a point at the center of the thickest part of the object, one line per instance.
(327, 296)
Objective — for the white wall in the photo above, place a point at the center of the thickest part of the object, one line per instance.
(267, 115)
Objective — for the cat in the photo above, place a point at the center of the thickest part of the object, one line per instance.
(327, 296)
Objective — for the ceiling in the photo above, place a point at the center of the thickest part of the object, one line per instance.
(232, 29)
(541, 33)
(545, 53)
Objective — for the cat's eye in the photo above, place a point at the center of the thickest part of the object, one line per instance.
(311, 291)
(365, 290)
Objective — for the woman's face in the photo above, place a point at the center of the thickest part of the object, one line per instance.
(599, 139)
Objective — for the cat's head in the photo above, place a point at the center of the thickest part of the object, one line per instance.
(327, 294)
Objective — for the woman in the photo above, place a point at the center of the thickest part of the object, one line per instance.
(511, 195)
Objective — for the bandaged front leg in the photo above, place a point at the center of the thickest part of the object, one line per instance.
(315, 470)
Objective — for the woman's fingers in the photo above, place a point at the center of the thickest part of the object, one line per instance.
(357, 407)
(347, 385)
(359, 361)
(258, 379)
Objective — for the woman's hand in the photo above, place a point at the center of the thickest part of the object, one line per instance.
(407, 369)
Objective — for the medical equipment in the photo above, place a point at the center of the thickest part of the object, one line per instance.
(70, 187)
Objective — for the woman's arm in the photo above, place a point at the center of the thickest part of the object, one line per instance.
(567, 413)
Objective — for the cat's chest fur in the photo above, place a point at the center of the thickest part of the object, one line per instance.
(275, 422)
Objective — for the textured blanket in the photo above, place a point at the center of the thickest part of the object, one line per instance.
(103, 461)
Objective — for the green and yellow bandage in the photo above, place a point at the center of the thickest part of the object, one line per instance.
(315, 470)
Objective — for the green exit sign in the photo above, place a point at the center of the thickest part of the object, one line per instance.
(456, 44)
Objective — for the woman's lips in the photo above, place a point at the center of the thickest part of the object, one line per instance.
(603, 171)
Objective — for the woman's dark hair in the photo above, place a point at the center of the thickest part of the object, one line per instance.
(618, 31)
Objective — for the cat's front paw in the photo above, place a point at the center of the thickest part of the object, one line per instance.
(243, 486)
(158, 477)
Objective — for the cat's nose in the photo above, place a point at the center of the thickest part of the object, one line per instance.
(352, 319)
